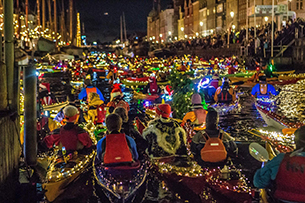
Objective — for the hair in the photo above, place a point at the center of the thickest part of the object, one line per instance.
(122, 113)
(113, 122)
(300, 138)
(88, 82)
(92, 95)
(212, 119)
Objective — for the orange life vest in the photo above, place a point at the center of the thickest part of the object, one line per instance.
(263, 88)
(213, 150)
(89, 90)
(117, 149)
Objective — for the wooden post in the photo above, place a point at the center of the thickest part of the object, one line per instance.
(30, 132)
(26, 14)
(50, 17)
(38, 13)
(71, 20)
(55, 19)
(43, 5)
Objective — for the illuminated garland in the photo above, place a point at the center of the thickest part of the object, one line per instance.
(194, 170)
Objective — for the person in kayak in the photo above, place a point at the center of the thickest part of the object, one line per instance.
(60, 116)
(197, 116)
(164, 135)
(129, 129)
(285, 172)
(69, 136)
(116, 147)
(225, 93)
(89, 88)
(215, 81)
(117, 99)
(262, 89)
(96, 110)
(211, 146)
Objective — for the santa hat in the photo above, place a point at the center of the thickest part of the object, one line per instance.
(115, 92)
(196, 101)
(71, 113)
(163, 110)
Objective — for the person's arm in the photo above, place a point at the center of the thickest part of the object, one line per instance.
(133, 148)
(82, 94)
(254, 90)
(272, 90)
(232, 92)
(85, 139)
(99, 148)
(265, 175)
(52, 139)
(216, 94)
(100, 94)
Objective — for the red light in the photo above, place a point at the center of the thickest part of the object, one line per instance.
(257, 68)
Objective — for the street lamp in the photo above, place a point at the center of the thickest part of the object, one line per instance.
(266, 18)
(160, 35)
(169, 33)
(182, 28)
(233, 27)
(201, 24)
(232, 16)
(197, 34)
(185, 36)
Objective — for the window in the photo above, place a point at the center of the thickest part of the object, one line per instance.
(299, 4)
(208, 12)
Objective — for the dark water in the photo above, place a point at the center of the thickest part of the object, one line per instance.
(237, 123)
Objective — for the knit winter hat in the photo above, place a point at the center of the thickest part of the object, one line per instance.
(196, 101)
(71, 113)
(164, 110)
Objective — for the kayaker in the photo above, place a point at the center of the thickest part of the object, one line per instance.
(89, 88)
(117, 99)
(69, 136)
(152, 87)
(164, 135)
(96, 109)
(116, 147)
(197, 116)
(60, 116)
(223, 143)
(215, 81)
(129, 129)
(286, 172)
(262, 89)
(225, 93)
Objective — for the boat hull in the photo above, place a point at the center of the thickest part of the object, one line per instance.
(270, 121)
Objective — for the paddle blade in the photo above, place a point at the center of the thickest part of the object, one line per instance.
(258, 152)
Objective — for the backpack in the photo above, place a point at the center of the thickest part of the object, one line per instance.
(225, 96)
(214, 149)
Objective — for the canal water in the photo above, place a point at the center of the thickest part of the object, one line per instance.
(236, 122)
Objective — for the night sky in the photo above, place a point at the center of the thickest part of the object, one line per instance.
(107, 27)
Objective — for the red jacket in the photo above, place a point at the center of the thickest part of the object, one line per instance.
(68, 136)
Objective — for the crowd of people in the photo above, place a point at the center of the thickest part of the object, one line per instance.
(258, 43)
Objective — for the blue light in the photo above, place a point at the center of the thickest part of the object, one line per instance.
(37, 73)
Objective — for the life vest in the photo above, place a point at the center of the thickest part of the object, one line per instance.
(153, 87)
(117, 149)
(69, 139)
(263, 88)
(290, 179)
(214, 83)
(101, 114)
(225, 96)
(213, 150)
(89, 90)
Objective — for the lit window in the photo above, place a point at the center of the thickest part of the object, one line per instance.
(208, 12)
(299, 4)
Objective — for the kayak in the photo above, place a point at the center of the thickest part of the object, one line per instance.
(64, 170)
(148, 97)
(133, 81)
(193, 178)
(119, 183)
